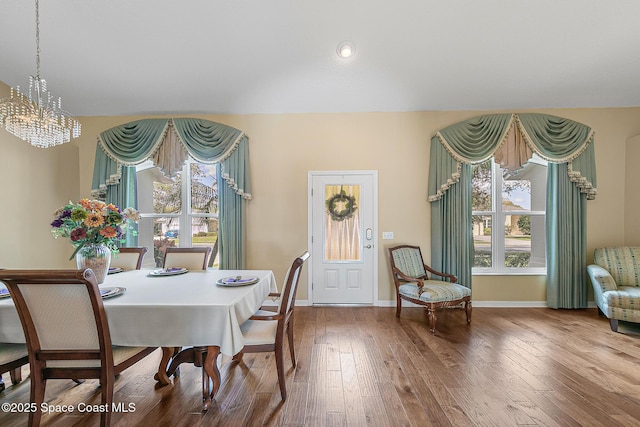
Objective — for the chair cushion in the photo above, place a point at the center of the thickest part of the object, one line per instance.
(11, 352)
(627, 297)
(258, 332)
(435, 291)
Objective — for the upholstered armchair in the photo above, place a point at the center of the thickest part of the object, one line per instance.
(615, 276)
(414, 283)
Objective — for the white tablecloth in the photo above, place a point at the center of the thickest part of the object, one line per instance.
(171, 311)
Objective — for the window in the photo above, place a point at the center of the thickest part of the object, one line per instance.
(509, 218)
(176, 211)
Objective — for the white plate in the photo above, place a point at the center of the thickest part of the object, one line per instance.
(4, 293)
(168, 272)
(114, 270)
(111, 292)
(238, 281)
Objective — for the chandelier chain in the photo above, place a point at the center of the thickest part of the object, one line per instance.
(38, 39)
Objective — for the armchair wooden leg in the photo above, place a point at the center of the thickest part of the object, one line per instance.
(467, 309)
(432, 319)
(398, 305)
(614, 324)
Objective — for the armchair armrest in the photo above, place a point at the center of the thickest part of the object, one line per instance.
(451, 277)
(600, 278)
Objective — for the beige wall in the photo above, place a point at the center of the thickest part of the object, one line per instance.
(284, 147)
(34, 182)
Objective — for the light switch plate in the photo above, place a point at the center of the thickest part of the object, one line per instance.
(387, 235)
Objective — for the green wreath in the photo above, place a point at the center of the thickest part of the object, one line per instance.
(342, 198)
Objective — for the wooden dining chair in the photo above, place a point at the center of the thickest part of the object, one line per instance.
(189, 258)
(12, 357)
(67, 332)
(128, 258)
(265, 330)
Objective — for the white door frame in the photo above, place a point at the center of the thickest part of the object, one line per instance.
(311, 174)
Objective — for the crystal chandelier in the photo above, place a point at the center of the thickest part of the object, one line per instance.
(37, 118)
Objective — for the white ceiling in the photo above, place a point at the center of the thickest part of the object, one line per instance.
(125, 57)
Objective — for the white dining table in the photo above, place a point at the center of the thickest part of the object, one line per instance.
(187, 310)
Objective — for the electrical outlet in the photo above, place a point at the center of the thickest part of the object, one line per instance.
(387, 235)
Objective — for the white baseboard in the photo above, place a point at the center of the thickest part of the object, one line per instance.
(489, 304)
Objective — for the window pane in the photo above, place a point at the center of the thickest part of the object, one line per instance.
(524, 189)
(342, 223)
(481, 183)
(167, 192)
(524, 241)
(204, 232)
(482, 241)
(204, 189)
(517, 245)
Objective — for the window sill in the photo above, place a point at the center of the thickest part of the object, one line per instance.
(509, 273)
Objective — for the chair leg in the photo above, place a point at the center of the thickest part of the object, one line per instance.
(291, 349)
(280, 369)
(467, 309)
(16, 375)
(431, 311)
(38, 386)
(398, 305)
(614, 324)
(108, 384)
(238, 357)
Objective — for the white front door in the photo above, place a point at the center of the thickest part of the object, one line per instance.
(343, 224)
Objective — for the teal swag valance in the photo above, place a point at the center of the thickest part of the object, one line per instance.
(513, 136)
(511, 139)
(167, 142)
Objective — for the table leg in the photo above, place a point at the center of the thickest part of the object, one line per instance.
(161, 376)
(211, 372)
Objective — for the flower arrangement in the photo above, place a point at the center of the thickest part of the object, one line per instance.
(90, 222)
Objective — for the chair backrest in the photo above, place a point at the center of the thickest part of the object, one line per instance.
(129, 258)
(408, 260)
(288, 295)
(189, 258)
(62, 316)
(622, 262)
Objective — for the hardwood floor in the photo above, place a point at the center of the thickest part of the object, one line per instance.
(362, 366)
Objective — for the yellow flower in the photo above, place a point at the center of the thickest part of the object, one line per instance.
(94, 220)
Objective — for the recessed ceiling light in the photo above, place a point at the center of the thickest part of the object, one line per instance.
(346, 49)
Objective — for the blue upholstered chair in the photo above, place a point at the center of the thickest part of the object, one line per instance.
(413, 283)
(615, 276)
